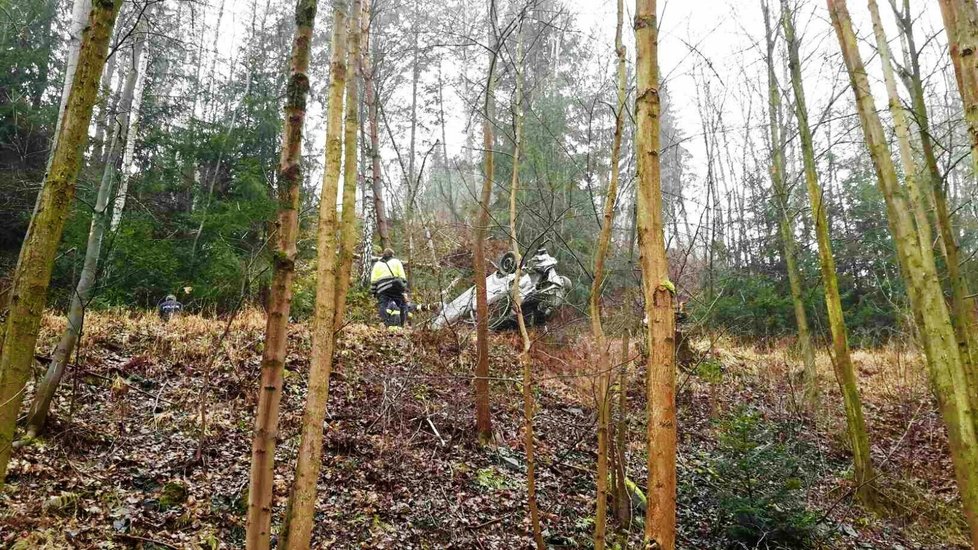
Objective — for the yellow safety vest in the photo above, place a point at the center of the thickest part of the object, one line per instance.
(390, 269)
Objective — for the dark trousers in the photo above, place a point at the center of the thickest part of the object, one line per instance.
(393, 309)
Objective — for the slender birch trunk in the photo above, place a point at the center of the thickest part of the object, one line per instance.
(129, 151)
(412, 179)
(945, 364)
(845, 373)
(348, 222)
(290, 180)
(660, 516)
(121, 133)
(786, 219)
(302, 505)
(483, 422)
(105, 104)
(80, 10)
(594, 300)
(33, 273)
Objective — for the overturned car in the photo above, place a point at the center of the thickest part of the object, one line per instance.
(542, 290)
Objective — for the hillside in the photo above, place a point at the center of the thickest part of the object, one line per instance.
(124, 465)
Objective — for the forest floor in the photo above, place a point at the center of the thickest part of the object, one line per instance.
(124, 463)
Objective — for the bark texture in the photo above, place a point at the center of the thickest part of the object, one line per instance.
(842, 365)
(660, 515)
(348, 223)
(945, 365)
(961, 24)
(122, 136)
(290, 177)
(302, 505)
(32, 276)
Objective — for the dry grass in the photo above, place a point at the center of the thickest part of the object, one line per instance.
(905, 429)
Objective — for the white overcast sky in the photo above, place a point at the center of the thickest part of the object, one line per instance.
(723, 31)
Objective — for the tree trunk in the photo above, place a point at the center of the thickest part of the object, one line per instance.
(80, 10)
(302, 505)
(594, 300)
(660, 517)
(962, 309)
(280, 299)
(369, 77)
(524, 356)
(348, 223)
(483, 423)
(33, 273)
(129, 152)
(841, 357)
(621, 499)
(961, 23)
(786, 223)
(927, 300)
(413, 181)
(83, 291)
(106, 106)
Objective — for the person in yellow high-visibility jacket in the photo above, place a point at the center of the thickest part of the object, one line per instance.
(389, 284)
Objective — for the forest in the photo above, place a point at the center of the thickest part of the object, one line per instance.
(489, 274)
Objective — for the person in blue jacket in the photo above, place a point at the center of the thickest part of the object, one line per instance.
(169, 307)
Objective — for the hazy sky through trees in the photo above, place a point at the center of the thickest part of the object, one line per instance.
(714, 43)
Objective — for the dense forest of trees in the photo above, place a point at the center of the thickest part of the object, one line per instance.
(202, 162)
(819, 193)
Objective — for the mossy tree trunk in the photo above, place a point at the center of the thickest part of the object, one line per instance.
(961, 24)
(290, 178)
(348, 223)
(302, 503)
(945, 364)
(845, 373)
(121, 136)
(933, 181)
(660, 516)
(32, 276)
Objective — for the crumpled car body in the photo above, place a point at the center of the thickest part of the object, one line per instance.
(542, 290)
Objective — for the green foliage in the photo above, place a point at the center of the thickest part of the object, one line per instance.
(758, 307)
(756, 481)
(28, 75)
(172, 495)
(489, 479)
(751, 306)
(710, 370)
